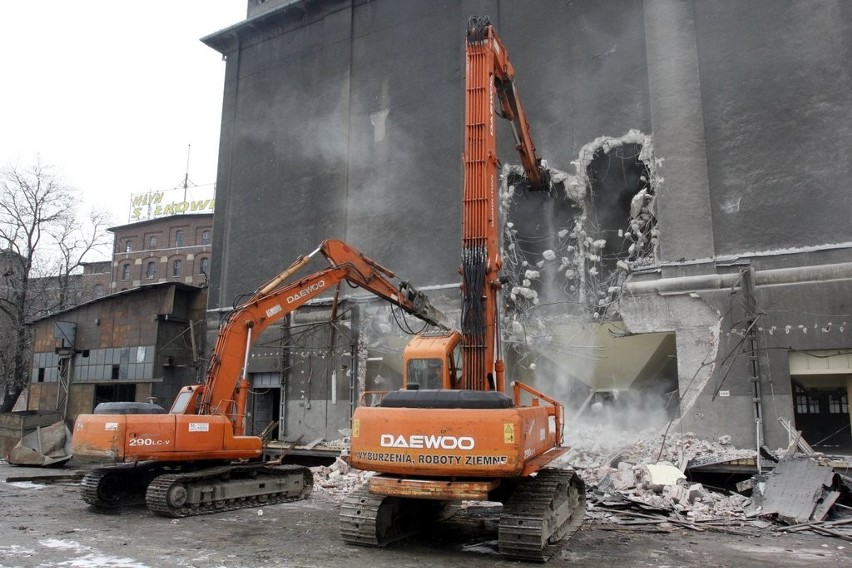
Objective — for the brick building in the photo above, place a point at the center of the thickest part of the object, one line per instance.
(165, 249)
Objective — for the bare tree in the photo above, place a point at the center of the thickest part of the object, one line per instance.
(37, 219)
(75, 241)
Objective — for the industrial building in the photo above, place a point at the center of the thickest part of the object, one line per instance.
(700, 248)
(107, 351)
(135, 331)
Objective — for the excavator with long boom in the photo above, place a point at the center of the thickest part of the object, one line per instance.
(452, 433)
(196, 459)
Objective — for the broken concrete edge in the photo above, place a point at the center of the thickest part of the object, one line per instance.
(798, 490)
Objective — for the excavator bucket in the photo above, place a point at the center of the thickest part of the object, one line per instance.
(49, 445)
(552, 180)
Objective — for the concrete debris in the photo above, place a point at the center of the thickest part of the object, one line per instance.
(798, 490)
(647, 471)
(595, 451)
(338, 480)
(655, 476)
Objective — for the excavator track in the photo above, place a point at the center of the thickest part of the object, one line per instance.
(377, 520)
(226, 488)
(540, 515)
(114, 487)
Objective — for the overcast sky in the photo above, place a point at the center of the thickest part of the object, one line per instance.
(112, 93)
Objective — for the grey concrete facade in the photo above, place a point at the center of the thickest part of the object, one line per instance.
(343, 119)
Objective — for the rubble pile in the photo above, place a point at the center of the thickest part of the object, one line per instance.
(596, 452)
(638, 479)
(338, 480)
(647, 471)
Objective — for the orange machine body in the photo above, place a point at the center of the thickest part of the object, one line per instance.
(116, 438)
(450, 442)
(456, 453)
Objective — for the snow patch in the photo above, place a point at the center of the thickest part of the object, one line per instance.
(91, 558)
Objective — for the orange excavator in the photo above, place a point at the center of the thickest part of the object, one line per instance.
(197, 459)
(453, 433)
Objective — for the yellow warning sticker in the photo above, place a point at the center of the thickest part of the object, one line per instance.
(356, 427)
(509, 433)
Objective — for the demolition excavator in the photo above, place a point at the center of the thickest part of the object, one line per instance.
(197, 459)
(453, 433)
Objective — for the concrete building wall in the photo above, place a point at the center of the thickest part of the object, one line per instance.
(343, 119)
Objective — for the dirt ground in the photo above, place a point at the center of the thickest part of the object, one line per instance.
(48, 525)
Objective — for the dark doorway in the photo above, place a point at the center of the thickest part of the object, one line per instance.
(266, 401)
(114, 393)
(822, 414)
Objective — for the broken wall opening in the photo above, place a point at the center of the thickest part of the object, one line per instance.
(264, 402)
(619, 216)
(115, 392)
(573, 247)
(567, 252)
(634, 386)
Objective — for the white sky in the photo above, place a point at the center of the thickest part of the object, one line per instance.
(112, 93)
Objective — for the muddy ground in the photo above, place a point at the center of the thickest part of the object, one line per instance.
(48, 525)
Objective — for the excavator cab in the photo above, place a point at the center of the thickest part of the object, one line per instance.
(432, 361)
(185, 401)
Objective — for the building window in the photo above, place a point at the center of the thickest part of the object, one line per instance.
(176, 268)
(114, 374)
(205, 237)
(204, 265)
(151, 270)
(125, 272)
(41, 374)
(152, 242)
(179, 238)
(806, 404)
(99, 290)
(837, 403)
(128, 246)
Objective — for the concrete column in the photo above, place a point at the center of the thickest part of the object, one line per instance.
(849, 396)
(683, 203)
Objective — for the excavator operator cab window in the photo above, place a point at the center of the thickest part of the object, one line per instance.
(182, 400)
(456, 365)
(425, 374)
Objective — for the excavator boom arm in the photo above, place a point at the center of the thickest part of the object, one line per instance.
(224, 389)
(488, 73)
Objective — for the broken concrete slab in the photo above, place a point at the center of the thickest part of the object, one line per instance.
(657, 475)
(798, 490)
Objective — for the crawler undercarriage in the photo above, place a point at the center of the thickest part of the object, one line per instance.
(182, 493)
(539, 513)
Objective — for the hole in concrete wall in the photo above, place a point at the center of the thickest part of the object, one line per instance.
(619, 217)
(566, 255)
(575, 247)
